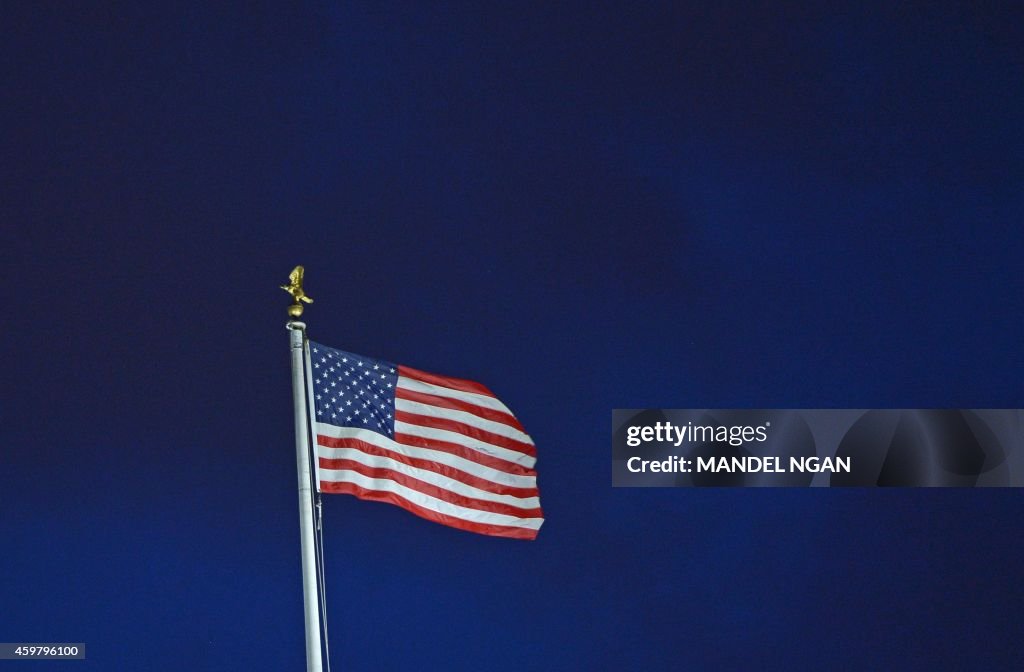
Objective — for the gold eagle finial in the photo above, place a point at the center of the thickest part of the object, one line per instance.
(294, 287)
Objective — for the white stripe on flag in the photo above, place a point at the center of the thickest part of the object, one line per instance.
(441, 481)
(432, 503)
(498, 428)
(514, 456)
(469, 397)
(441, 457)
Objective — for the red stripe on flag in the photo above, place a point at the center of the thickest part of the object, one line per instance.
(466, 430)
(450, 521)
(459, 405)
(443, 381)
(464, 452)
(426, 465)
(429, 489)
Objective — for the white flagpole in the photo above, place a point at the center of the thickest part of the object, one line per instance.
(309, 586)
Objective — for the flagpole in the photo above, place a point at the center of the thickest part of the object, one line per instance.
(297, 333)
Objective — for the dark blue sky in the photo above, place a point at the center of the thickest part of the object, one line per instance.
(583, 206)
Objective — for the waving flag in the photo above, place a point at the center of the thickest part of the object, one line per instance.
(442, 448)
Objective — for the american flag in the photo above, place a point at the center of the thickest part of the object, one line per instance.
(445, 449)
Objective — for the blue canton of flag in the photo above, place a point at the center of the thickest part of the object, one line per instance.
(353, 391)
